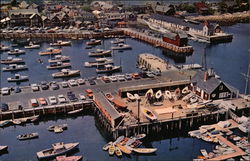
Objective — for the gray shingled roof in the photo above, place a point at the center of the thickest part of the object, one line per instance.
(161, 8)
(23, 11)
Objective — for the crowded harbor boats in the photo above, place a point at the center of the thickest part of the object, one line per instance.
(66, 73)
(32, 46)
(121, 46)
(117, 41)
(4, 48)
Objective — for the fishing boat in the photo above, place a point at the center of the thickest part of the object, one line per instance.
(11, 60)
(100, 52)
(69, 158)
(124, 149)
(144, 150)
(121, 47)
(108, 69)
(66, 73)
(118, 140)
(204, 153)
(4, 123)
(58, 65)
(57, 149)
(14, 67)
(58, 129)
(3, 148)
(32, 46)
(106, 146)
(168, 94)
(75, 111)
(94, 42)
(117, 41)
(27, 136)
(111, 149)
(185, 90)
(4, 48)
(18, 78)
(61, 43)
(158, 94)
(50, 51)
(140, 136)
(135, 144)
(52, 127)
(16, 52)
(131, 97)
(59, 58)
(16, 121)
(98, 62)
(118, 152)
(149, 114)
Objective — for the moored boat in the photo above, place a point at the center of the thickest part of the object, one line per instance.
(61, 43)
(117, 41)
(27, 136)
(59, 58)
(111, 149)
(66, 73)
(4, 123)
(106, 146)
(69, 158)
(121, 47)
(18, 78)
(75, 111)
(50, 51)
(108, 69)
(149, 114)
(16, 52)
(158, 94)
(168, 94)
(118, 152)
(14, 67)
(131, 97)
(4, 48)
(185, 90)
(57, 149)
(118, 140)
(145, 150)
(32, 46)
(124, 149)
(11, 60)
(94, 42)
(100, 52)
(3, 148)
(140, 136)
(16, 121)
(52, 127)
(58, 65)
(98, 62)
(149, 93)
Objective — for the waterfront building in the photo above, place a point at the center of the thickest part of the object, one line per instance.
(178, 39)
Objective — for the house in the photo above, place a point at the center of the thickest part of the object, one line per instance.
(208, 87)
(165, 9)
(23, 5)
(25, 17)
(178, 39)
(208, 29)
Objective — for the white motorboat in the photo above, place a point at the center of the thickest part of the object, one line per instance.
(58, 65)
(100, 52)
(61, 43)
(59, 58)
(66, 73)
(204, 153)
(52, 127)
(16, 52)
(144, 150)
(32, 46)
(193, 99)
(168, 94)
(185, 90)
(131, 97)
(109, 68)
(117, 41)
(4, 48)
(149, 93)
(14, 67)
(18, 78)
(99, 62)
(3, 148)
(106, 146)
(56, 150)
(94, 42)
(140, 136)
(75, 111)
(27, 136)
(11, 60)
(121, 47)
(50, 51)
(158, 94)
(149, 114)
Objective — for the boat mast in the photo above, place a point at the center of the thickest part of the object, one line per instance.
(247, 77)
(138, 122)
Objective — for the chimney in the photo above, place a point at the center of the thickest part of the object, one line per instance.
(205, 76)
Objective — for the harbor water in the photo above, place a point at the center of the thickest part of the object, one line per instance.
(229, 60)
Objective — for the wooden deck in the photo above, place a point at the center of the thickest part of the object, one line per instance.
(238, 151)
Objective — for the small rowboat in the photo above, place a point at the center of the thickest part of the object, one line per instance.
(118, 140)
(131, 97)
(144, 150)
(185, 90)
(111, 149)
(63, 126)
(106, 146)
(27, 136)
(168, 94)
(177, 92)
(75, 111)
(118, 152)
(149, 93)
(124, 149)
(158, 94)
(149, 114)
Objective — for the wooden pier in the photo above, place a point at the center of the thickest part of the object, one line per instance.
(157, 42)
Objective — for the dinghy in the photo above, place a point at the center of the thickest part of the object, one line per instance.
(158, 94)
(149, 93)
(118, 140)
(149, 114)
(131, 97)
(144, 150)
(111, 149)
(193, 99)
(106, 146)
(3, 148)
(168, 94)
(140, 136)
(118, 152)
(185, 90)
(27, 136)
(124, 149)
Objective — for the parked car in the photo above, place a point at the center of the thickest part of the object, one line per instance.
(113, 78)
(92, 82)
(62, 99)
(81, 81)
(34, 102)
(42, 101)
(54, 86)
(82, 96)
(150, 74)
(106, 79)
(65, 84)
(128, 77)
(89, 93)
(4, 107)
(34, 87)
(72, 97)
(136, 76)
(72, 82)
(44, 85)
(121, 77)
(52, 100)
(5, 91)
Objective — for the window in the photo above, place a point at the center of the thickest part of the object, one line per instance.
(223, 94)
(221, 87)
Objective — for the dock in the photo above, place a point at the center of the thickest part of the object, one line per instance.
(157, 41)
